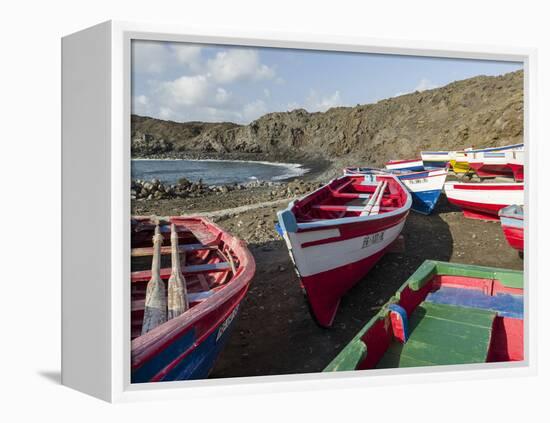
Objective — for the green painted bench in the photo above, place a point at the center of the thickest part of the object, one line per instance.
(442, 334)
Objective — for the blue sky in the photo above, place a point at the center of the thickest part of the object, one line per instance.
(193, 82)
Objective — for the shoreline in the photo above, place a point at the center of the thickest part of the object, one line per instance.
(310, 169)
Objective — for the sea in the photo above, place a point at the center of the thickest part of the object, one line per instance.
(214, 172)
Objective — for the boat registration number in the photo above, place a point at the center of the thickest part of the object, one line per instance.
(373, 239)
(419, 181)
(226, 323)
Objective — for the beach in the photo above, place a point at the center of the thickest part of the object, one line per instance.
(275, 333)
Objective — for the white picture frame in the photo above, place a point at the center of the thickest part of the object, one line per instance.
(96, 160)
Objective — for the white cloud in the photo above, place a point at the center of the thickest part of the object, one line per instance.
(425, 84)
(208, 87)
(155, 57)
(222, 96)
(319, 103)
(142, 99)
(166, 113)
(232, 65)
(148, 56)
(187, 54)
(186, 90)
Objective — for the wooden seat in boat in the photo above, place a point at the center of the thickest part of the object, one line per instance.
(442, 334)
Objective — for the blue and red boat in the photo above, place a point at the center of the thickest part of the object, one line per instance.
(217, 268)
(425, 185)
(444, 314)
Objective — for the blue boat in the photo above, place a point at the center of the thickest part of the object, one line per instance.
(425, 186)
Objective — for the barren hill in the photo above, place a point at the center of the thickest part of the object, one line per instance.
(482, 111)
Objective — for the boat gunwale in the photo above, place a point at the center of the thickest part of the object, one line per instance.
(438, 171)
(327, 223)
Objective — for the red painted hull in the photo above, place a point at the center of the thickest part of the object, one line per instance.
(517, 170)
(485, 170)
(325, 290)
(514, 236)
(479, 211)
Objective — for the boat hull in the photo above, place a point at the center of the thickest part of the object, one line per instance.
(218, 272)
(511, 220)
(198, 360)
(486, 170)
(410, 165)
(334, 268)
(483, 201)
(425, 188)
(435, 158)
(332, 254)
(507, 163)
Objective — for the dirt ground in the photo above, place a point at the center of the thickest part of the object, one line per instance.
(275, 333)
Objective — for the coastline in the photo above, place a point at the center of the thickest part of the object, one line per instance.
(305, 168)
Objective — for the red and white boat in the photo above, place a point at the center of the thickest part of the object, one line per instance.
(216, 269)
(490, 164)
(483, 200)
(336, 234)
(511, 219)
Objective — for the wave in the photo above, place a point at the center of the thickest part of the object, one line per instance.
(294, 169)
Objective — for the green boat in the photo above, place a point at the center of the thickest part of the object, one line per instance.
(445, 313)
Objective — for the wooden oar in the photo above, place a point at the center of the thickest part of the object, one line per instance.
(376, 208)
(178, 301)
(155, 298)
(372, 200)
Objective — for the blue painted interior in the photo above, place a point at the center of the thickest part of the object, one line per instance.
(505, 305)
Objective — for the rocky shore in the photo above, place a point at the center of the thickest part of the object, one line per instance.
(156, 190)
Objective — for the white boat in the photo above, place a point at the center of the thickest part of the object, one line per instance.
(484, 200)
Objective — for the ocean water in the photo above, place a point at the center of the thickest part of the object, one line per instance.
(213, 172)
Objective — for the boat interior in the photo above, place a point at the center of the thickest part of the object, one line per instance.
(207, 262)
(350, 196)
(451, 320)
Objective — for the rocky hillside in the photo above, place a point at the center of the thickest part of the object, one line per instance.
(482, 111)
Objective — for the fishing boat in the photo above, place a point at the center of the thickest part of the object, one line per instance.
(216, 269)
(412, 165)
(435, 158)
(511, 220)
(491, 164)
(425, 186)
(483, 200)
(444, 314)
(337, 233)
(458, 161)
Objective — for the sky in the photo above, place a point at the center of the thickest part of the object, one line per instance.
(200, 82)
